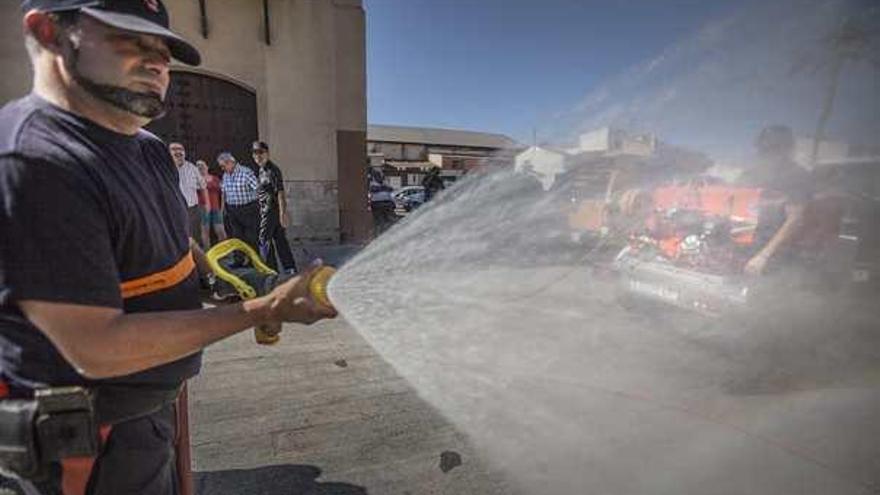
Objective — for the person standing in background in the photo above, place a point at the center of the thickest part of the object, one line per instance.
(787, 189)
(212, 215)
(433, 183)
(381, 202)
(273, 212)
(192, 186)
(239, 186)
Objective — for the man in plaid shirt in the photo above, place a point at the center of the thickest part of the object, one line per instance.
(240, 206)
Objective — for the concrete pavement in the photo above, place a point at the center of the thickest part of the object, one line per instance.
(295, 419)
(569, 392)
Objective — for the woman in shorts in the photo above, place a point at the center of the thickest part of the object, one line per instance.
(212, 215)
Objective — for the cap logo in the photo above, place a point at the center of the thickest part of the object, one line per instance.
(152, 5)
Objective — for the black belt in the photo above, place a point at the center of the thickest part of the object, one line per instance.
(116, 403)
(63, 422)
(243, 205)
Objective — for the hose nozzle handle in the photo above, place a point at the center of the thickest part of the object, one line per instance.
(318, 283)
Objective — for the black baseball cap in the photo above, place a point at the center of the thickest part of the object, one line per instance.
(138, 16)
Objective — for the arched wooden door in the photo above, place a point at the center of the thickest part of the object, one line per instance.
(209, 115)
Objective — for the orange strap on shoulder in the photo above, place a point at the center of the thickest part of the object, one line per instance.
(155, 282)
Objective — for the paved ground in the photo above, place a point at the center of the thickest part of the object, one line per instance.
(288, 419)
(571, 394)
(635, 403)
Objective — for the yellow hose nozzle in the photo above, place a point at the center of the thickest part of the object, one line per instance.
(318, 285)
(254, 278)
(270, 334)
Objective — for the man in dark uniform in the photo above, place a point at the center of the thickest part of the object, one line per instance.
(433, 183)
(787, 188)
(273, 211)
(381, 202)
(97, 281)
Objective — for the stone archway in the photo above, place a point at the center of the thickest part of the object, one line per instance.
(209, 115)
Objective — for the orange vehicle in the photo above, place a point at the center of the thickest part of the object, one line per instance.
(688, 244)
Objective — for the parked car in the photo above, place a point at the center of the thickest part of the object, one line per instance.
(410, 197)
(857, 182)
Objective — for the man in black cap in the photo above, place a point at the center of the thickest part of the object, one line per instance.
(99, 302)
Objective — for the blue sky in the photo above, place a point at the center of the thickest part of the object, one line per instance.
(509, 66)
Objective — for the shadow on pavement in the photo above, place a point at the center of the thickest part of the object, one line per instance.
(284, 479)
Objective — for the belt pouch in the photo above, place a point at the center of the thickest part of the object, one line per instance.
(18, 448)
(66, 425)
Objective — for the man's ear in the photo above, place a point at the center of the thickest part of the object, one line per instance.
(43, 28)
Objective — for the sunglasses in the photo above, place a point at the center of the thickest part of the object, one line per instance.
(259, 152)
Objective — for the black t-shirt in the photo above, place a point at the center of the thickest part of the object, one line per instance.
(271, 183)
(83, 210)
(782, 182)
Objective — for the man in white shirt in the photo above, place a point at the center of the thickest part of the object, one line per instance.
(192, 186)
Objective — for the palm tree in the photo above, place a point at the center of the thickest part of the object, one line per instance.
(854, 40)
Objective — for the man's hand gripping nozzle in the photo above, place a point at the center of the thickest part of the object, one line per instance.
(238, 265)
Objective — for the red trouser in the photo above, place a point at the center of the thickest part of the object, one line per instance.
(75, 471)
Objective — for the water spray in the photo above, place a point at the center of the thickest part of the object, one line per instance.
(527, 353)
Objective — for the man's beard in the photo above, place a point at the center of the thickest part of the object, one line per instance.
(148, 105)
